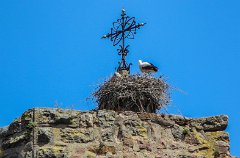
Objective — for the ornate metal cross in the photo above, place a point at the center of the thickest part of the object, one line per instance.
(123, 28)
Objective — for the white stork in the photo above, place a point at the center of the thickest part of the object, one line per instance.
(117, 74)
(147, 67)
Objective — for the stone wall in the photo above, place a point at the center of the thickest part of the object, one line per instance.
(58, 133)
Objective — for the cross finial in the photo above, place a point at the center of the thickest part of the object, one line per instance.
(123, 11)
(123, 28)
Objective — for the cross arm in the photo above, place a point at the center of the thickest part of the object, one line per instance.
(111, 35)
(135, 27)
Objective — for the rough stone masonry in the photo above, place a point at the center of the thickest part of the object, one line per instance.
(58, 133)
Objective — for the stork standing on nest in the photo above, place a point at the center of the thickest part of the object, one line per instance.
(147, 67)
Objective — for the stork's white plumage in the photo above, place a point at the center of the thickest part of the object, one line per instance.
(117, 74)
(147, 67)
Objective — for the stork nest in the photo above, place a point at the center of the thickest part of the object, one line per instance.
(139, 93)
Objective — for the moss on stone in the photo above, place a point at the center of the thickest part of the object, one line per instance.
(142, 131)
(89, 154)
(185, 131)
(207, 146)
(218, 135)
(1, 152)
(216, 153)
(53, 151)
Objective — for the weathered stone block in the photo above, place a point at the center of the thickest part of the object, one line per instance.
(58, 133)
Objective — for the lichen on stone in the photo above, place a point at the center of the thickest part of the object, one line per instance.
(106, 133)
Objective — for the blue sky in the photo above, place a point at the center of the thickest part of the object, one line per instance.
(51, 51)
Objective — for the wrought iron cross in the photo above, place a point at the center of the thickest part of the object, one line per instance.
(123, 28)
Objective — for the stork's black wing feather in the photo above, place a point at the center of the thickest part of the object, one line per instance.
(153, 65)
(150, 67)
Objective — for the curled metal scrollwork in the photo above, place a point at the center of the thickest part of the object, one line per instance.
(123, 28)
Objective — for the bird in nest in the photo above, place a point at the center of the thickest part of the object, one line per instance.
(117, 74)
(147, 67)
